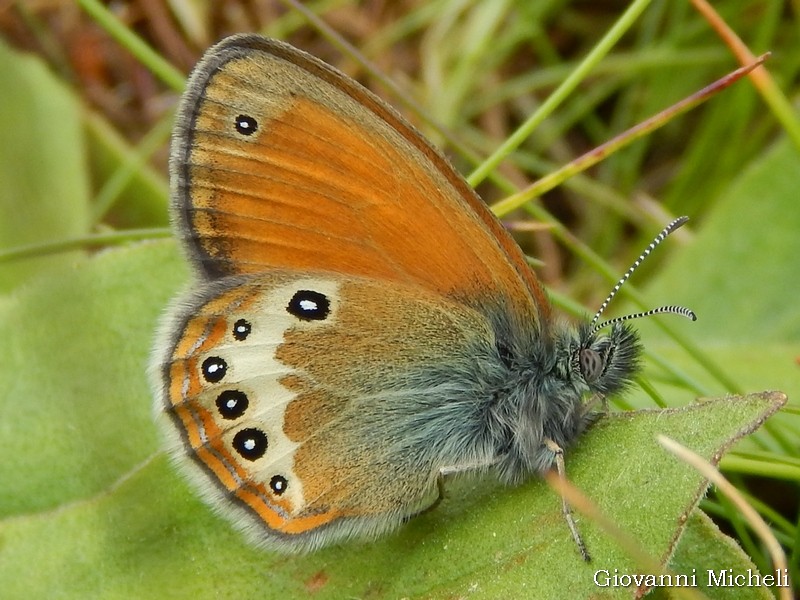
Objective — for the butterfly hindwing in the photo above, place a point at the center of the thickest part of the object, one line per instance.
(260, 385)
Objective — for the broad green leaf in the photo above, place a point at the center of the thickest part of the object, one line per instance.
(72, 376)
(92, 508)
(703, 549)
(44, 194)
(742, 274)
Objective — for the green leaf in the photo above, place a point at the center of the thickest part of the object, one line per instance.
(704, 548)
(72, 381)
(45, 190)
(92, 508)
(134, 194)
(742, 274)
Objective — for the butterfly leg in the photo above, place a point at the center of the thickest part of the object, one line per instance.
(436, 501)
(565, 507)
(440, 493)
(444, 472)
(590, 405)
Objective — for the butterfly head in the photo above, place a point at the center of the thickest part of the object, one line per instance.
(606, 362)
(559, 381)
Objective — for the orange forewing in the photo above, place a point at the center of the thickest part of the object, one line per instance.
(333, 179)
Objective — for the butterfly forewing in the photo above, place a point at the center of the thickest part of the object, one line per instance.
(281, 162)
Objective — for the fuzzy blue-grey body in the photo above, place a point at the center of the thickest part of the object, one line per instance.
(494, 401)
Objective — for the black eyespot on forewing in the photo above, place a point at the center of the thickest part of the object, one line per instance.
(308, 305)
(246, 125)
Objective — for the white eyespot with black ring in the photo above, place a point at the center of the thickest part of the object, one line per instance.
(250, 443)
(241, 329)
(246, 125)
(232, 404)
(309, 305)
(278, 484)
(214, 369)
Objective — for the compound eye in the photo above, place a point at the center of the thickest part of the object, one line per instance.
(592, 365)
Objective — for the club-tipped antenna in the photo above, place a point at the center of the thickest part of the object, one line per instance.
(672, 309)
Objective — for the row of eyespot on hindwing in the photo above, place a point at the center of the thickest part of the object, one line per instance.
(252, 443)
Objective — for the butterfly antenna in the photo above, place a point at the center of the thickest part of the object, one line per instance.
(677, 310)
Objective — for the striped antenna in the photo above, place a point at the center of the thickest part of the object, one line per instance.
(677, 310)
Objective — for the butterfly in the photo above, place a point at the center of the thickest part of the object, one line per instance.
(360, 324)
